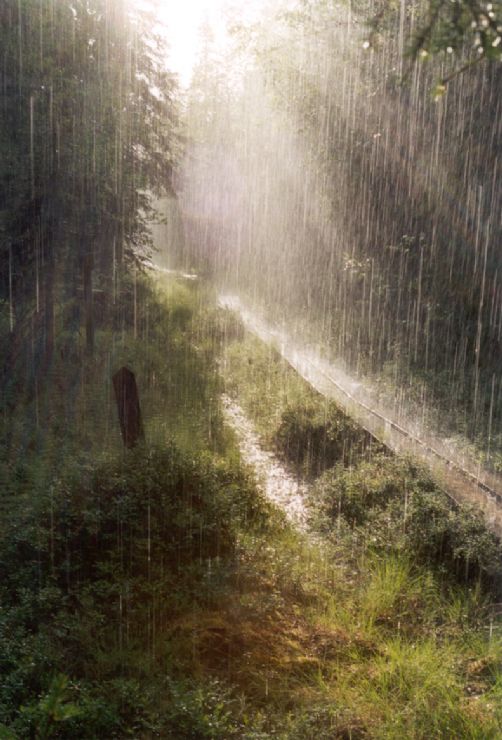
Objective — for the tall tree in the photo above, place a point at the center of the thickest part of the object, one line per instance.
(88, 138)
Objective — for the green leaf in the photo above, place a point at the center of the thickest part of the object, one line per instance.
(6, 734)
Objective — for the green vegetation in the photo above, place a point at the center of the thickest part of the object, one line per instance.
(308, 431)
(91, 539)
(89, 136)
(371, 245)
(389, 505)
(98, 579)
(401, 605)
(470, 29)
(156, 593)
(379, 502)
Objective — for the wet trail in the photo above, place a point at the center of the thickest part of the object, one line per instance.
(280, 487)
(461, 477)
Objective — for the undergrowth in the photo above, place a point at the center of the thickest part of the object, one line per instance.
(156, 593)
(418, 577)
(309, 432)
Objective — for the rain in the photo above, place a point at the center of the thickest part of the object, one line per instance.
(250, 349)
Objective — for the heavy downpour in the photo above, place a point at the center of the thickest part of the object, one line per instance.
(251, 369)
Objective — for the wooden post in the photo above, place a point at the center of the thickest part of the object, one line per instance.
(126, 394)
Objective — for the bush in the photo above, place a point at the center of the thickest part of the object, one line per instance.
(356, 492)
(154, 507)
(391, 504)
(207, 711)
(456, 539)
(105, 550)
(314, 437)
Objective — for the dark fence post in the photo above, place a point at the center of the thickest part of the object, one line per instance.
(126, 394)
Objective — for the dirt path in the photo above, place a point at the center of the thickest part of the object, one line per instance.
(276, 481)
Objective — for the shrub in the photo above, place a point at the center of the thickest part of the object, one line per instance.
(315, 437)
(196, 711)
(153, 507)
(456, 539)
(104, 550)
(391, 504)
(356, 491)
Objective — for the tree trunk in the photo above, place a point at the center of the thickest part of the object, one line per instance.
(49, 317)
(88, 304)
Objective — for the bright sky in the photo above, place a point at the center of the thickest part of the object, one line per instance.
(183, 19)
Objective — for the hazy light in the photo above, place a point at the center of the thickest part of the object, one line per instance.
(182, 20)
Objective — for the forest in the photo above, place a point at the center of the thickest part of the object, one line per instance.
(250, 385)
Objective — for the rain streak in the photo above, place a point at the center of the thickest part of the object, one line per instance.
(251, 369)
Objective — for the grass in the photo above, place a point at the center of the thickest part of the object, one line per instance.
(308, 431)
(158, 593)
(413, 575)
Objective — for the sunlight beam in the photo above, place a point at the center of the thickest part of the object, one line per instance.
(181, 21)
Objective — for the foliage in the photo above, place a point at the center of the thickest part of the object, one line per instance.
(306, 430)
(263, 382)
(89, 135)
(377, 186)
(388, 503)
(159, 505)
(82, 571)
(466, 25)
(393, 505)
(356, 491)
(314, 438)
(207, 711)
(155, 593)
(51, 710)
